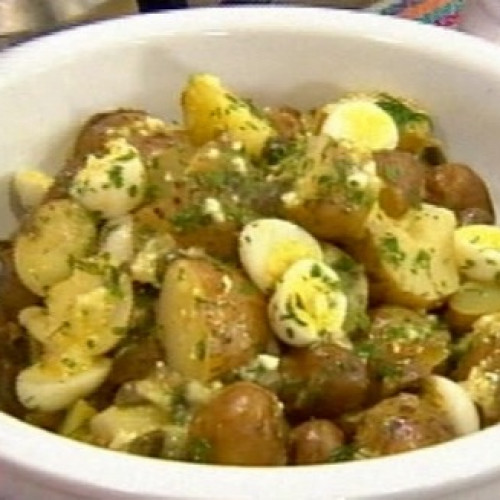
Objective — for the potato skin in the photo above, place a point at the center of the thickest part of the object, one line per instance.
(404, 178)
(402, 423)
(99, 129)
(404, 346)
(459, 188)
(326, 204)
(313, 442)
(211, 318)
(241, 425)
(322, 381)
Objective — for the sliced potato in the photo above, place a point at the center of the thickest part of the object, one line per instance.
(471, 301)
(411, 260)
(211, 109)
(211, 319)
(58, 232)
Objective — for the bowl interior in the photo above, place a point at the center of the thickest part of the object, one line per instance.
(297, 56)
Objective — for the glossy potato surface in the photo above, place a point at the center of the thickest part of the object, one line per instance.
(211, 319)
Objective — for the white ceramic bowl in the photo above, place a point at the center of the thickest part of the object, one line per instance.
(297, 56)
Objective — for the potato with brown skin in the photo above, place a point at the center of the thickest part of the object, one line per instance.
(404, 181)
(219, 191)
(148, 134)
(177, 214)
(314, 442)
(326, 199)
(478, 366)
(402, 347)
(322, 381)
(211, 318)
(399, 424)
(241, 425)
(459, 188)
(136, 360)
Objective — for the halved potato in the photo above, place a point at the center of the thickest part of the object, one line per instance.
(410, 260)
(57, 233)
(471, 301)
(210, 109)
(211, 319)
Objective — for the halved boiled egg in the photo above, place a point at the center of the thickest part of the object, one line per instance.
(268, 247)
(361, 122)
(309, 305)
(455, 402)
(112, 184)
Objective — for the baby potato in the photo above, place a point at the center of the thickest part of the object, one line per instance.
(471, 301)
(410, 261)
(241, 425)
(478, 366)
(57, 232)
(314, 442)
(210, 109)
(206, 205)
(150, 135)
(322, 381)
(404, 181)
(211, 318)
(459, 188)
(403, 347)
(187, 222)
(334, 191)
(402, 423)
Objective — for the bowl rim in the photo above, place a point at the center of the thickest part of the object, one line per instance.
(78, 467)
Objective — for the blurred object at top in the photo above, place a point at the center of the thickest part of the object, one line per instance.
(438, 12)
(21, 19)
(482, 18)
(154, 5)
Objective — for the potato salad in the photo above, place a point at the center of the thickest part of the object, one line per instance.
(253, 285)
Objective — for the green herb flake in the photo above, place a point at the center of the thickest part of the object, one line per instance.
(391, 252)
(115, 174)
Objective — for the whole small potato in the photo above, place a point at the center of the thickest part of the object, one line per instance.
(459, 188)
(313, 442)
(242, 425)
(322, 381)
(325, 198)
(148, 134)
(211, 318)
(402, 423)
(403, 347)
